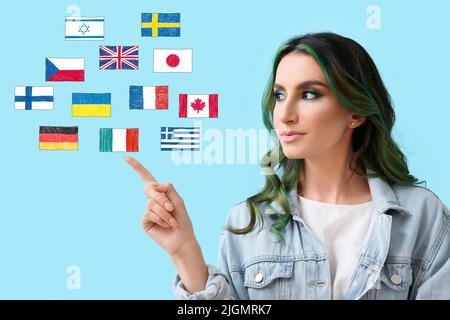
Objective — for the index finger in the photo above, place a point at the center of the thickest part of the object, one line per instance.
(140, 169)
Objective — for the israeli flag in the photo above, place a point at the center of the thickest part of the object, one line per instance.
(85, 28)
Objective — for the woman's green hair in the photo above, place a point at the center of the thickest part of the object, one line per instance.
(356, 83)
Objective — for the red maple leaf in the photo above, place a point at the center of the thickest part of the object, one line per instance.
(198, 105)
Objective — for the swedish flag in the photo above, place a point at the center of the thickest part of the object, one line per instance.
(160, 25)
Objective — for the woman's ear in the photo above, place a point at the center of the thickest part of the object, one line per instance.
(356, 121)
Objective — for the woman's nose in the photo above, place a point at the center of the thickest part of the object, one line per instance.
(289, 112)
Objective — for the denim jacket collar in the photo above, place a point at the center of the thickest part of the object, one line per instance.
(384, 198)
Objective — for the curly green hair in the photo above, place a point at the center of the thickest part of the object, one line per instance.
(356, 83)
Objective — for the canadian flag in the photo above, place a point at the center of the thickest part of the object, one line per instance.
(172, 60)
(199, 105)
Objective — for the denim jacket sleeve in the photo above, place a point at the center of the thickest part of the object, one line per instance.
(435, 279)
(219, 285)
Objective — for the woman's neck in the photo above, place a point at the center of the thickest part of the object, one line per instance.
(332, 181)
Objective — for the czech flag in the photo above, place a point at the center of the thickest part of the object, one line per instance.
(64, 69)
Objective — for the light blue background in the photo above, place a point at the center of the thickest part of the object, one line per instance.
(84, 208)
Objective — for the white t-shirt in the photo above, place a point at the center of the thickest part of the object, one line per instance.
(343, 230)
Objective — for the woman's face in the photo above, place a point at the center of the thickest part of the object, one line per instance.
(307, 117)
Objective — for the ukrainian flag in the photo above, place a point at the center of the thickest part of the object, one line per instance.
(91, 104)
(160, 25)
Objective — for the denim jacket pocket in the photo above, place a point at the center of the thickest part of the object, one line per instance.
(394, 282)
(268, 279)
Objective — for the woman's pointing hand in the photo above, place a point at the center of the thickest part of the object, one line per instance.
(165, 217)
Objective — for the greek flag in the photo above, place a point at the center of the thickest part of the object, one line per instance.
(180, 138)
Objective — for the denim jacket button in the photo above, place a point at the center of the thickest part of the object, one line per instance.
(259, 277)
(396, 279)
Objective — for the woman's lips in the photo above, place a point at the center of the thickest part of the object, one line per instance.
(291, 136)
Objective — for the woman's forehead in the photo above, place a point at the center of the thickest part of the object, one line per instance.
(298, 67)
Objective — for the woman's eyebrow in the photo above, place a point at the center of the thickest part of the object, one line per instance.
(303, 84)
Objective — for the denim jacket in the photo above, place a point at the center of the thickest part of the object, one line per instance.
(406, 256)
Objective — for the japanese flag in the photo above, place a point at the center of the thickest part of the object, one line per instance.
(199, 105)
(172, 60)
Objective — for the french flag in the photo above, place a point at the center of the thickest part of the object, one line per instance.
(64, 69)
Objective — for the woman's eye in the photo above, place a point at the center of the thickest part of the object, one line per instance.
(306, 95)
(310, 95)
(278, 95)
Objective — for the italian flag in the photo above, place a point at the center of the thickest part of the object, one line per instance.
(119, 140)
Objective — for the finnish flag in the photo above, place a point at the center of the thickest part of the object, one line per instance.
(33, 98)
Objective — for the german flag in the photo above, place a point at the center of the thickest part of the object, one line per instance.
(58, 138)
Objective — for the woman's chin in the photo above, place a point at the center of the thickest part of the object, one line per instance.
(293, 154)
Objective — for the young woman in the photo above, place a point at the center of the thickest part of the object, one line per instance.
(340, 218)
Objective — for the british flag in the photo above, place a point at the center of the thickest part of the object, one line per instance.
(119, 57)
